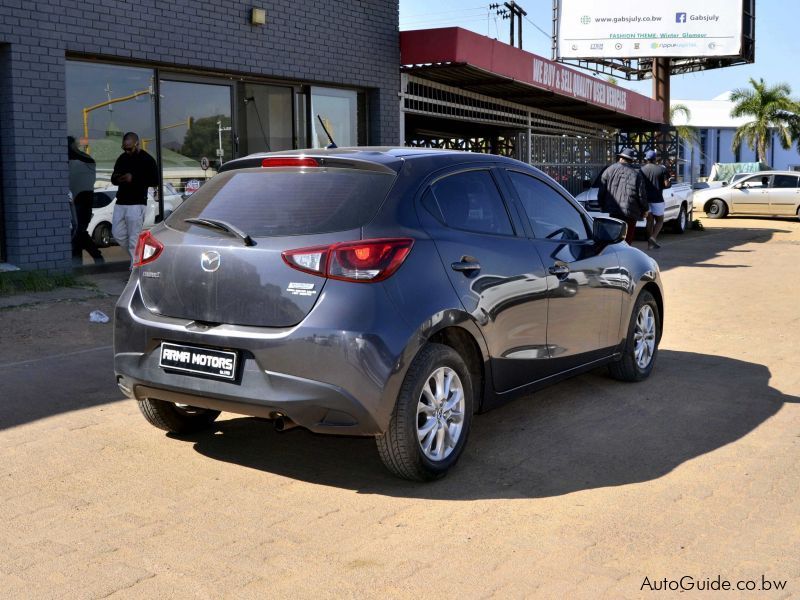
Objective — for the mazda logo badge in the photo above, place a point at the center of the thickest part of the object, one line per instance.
(209, 261)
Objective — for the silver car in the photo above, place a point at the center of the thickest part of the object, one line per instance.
(766, 193)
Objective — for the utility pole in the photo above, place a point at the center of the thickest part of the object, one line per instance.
(512, 11)
(220, 150)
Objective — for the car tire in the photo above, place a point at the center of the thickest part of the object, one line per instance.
(717, 209)
(102, 235)
(682, 223)
(176, 418)
(641, 344)
(433, 407)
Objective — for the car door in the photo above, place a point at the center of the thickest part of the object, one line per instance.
(783, 195)
(585, 288)
(497, 275)
(751, 196)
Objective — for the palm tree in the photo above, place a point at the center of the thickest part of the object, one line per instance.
(771, 108)
(684, 131)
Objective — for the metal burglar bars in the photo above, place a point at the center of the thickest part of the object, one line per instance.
(571, 161)
(568, 149)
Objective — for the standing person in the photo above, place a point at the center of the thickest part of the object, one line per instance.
(134, 172)
(622, 192)
(82, 174)
(656, 179)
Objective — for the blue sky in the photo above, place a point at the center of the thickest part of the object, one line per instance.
(777, 42)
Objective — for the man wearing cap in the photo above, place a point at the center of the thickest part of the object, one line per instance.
(656, 179)
(622, 192)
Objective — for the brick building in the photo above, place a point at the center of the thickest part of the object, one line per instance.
(194, 80)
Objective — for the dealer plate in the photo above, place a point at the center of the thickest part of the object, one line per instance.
(219, 364)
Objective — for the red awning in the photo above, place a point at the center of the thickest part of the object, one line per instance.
(467, 60)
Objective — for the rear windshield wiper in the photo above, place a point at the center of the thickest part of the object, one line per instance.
(223, 226)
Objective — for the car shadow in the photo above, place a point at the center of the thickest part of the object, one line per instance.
(696, 248)
(585, 433)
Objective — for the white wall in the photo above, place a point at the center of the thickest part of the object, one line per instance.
(777, 157)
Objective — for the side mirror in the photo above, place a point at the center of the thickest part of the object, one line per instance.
(606, 230)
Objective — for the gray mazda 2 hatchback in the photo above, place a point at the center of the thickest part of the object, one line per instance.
(384, 292)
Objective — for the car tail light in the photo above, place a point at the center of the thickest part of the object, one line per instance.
(147, 249)
(289, 161)
(364, 260)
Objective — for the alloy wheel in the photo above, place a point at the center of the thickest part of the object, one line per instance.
(644, 336)
(440, 413)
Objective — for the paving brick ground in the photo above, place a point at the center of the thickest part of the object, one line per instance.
(580, 491)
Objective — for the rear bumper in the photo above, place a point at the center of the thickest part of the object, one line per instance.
(316, 406)
(342, 381)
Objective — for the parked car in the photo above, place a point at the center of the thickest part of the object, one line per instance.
(677, 204)
(767, 193)
(105, 198)
(389, 293)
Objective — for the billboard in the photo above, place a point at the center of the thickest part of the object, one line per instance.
(636, 29)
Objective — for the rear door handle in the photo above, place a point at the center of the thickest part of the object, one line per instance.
(467, 264)
(559, 271)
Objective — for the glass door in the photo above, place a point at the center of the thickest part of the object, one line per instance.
(265, 118)
(337, 109)
(196, 135)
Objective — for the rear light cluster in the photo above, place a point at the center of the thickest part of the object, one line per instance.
(362, 261)
(147, 249)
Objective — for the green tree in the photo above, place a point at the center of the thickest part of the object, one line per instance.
(685, 132)
(772, 108)
(202, 138)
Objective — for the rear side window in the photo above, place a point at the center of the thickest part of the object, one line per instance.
(784, 181)
(272, 202)
(472, 202)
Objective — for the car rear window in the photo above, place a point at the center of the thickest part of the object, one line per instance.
(278, 202)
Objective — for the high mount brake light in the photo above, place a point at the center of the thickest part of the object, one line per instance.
(290, 161)
(361, 261)
(148, 248)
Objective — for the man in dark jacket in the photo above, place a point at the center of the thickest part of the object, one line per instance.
(622, 192)
(134, 172)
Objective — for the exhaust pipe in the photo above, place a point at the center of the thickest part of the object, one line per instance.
(283, 423)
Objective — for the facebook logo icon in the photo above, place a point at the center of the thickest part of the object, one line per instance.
(680, 17)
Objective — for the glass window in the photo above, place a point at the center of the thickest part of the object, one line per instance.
(758, 182)
(338, 111)
(471, 201)
(551, 215)
(195, 124)
(103, 102)
(785, 181)
(265, 202)
(265, 118)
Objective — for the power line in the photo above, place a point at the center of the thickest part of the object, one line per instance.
(537, 27)
(444, 18)
(445, 21)
(453, 22)
(460, 10)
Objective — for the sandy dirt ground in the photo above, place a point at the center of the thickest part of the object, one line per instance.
(589, 489)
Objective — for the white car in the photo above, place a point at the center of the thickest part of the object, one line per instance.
(105, 198)
(677, 205)
(767, 193)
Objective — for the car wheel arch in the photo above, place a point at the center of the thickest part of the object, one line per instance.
(475, 357)
(655, 291)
